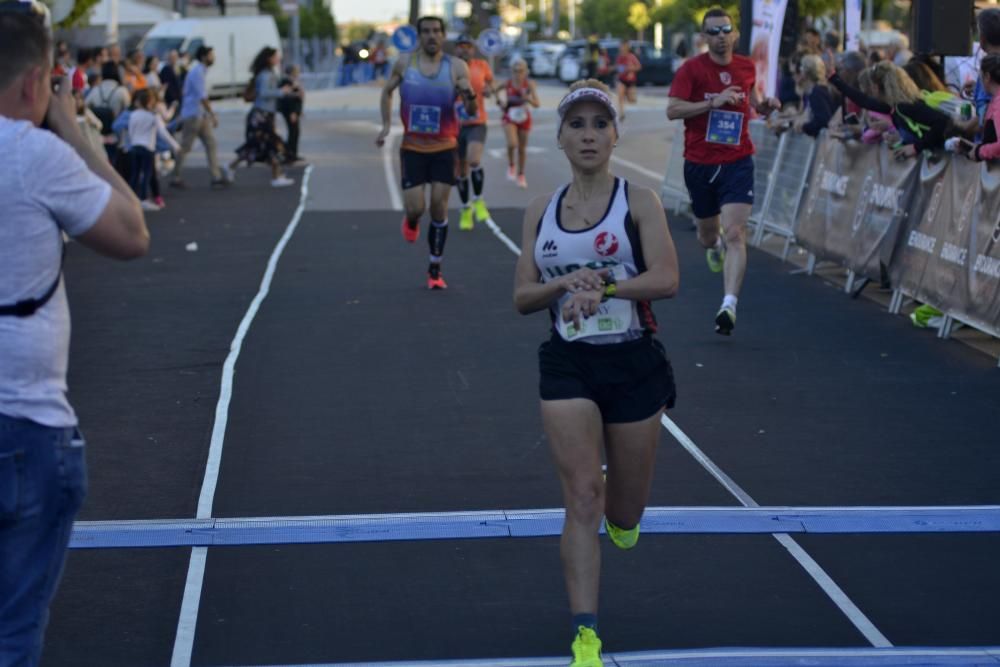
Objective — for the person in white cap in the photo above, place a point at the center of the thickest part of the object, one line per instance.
(595, 254)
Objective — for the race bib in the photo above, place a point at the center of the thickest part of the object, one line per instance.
(724, 127)
(463, 113)
(614, 316)
(425, 119)
(517, 114)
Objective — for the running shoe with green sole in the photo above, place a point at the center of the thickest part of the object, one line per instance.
(716, 258)
(586, 649)
(725, 321)
(482, 213)
(465, 219)
(621, 538)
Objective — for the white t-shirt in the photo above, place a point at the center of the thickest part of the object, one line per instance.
(45, 189)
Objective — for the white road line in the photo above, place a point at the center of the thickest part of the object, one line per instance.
(395, 193)
(835, 593)
(638, 167)
(503, 237)
(188, 619)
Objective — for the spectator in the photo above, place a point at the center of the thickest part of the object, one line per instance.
(151, 70)
(898, 50)
(290, 107)
(591, 54)
(145, 128)
(812, 41)
(170, 78)
(848, 115)
(919, 127)
(936, 94)
(989, 39)
(108, 100)
(78, 75)
(134, 79)
(51, 182)
(380, 61)
(262, 142)
(199, 120)
(989, 147)
(831, 47)
(817, 103)
(63, 61)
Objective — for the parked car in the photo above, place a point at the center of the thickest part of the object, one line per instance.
(233, 57)
(541, 57)
(657, 65)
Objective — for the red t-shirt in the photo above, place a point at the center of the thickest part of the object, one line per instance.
(627, 65)
(701, 78)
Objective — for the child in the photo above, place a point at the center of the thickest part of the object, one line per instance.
(145, 126)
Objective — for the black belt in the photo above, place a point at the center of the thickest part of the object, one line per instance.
(28, 307)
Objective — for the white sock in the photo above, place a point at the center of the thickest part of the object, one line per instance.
(729, 301)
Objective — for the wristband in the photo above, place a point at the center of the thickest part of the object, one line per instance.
(610, 288)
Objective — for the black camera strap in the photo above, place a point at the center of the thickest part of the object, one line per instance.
(28, 307)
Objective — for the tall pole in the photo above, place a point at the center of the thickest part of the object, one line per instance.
(542, 12)
(869, 17)
(524, 18)
(572, 19)
(555, 16)
(111, 30)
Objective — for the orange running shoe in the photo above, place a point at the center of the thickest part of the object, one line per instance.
(434, 279)
(410, 234)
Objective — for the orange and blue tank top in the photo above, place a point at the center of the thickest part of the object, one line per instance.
(427, 109)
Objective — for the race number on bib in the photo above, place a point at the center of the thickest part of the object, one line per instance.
(425, 119)
(724, 127)
(517, 114)
(614, 316)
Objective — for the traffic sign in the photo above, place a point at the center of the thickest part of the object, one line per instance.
(290, 8)
(491, 42)
(495, 22)
(405, 38)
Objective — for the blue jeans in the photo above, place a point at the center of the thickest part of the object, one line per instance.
(43, 480)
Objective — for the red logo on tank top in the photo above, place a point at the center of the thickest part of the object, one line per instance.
(606, 244)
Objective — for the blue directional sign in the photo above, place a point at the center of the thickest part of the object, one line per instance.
(491, 42)
(495, 22)
(405, 38)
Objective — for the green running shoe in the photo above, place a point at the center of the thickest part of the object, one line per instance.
(716, 258)
(621, 538)
(482, 214)
(465, 219)
(586, 649)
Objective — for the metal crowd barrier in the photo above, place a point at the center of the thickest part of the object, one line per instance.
(674, 190)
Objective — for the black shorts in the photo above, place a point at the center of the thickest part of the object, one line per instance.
(629, 381)
(469, 134)
(422, 168)
(712, 186)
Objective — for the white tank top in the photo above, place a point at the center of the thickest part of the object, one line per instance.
(613, 243)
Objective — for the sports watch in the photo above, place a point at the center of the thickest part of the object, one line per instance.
(610, 287)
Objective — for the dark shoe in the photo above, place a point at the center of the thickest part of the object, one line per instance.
(179, 184)
(220, 183)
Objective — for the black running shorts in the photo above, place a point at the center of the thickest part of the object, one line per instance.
(712, 186)
(422, 168)
(629, 381)
(469, 134)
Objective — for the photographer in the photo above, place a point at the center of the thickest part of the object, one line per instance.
(51, 182)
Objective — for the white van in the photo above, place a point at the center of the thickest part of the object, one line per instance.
(236, 40)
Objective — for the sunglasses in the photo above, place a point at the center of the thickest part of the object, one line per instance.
(715, 30)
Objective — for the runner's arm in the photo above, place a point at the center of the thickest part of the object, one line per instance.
(530, 294)
(661, 278)
(460, 70)
(533, 94)
(762, 104)
(385, 103)
(678, 109)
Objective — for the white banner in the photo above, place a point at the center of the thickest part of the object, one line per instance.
(765, 41)
(852, 17)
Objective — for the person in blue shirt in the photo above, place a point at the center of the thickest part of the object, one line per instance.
(199, 120)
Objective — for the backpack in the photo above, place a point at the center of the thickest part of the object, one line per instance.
(104, 112)
(250, 91)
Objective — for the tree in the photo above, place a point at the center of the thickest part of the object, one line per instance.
(638, 18)
(605, 17)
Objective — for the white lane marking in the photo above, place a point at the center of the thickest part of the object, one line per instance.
(395, 191)
(501, 153)
(188, 619)
(833, 591)
(503, 237)
(637, 167)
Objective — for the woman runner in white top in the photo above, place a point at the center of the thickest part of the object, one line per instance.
(595, 254)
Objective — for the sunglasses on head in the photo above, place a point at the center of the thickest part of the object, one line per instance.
(715, 30)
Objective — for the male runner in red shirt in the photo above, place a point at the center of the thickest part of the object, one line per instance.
(713, 94)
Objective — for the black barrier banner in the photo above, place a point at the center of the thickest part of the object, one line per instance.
(858, 198)
(948, 253)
